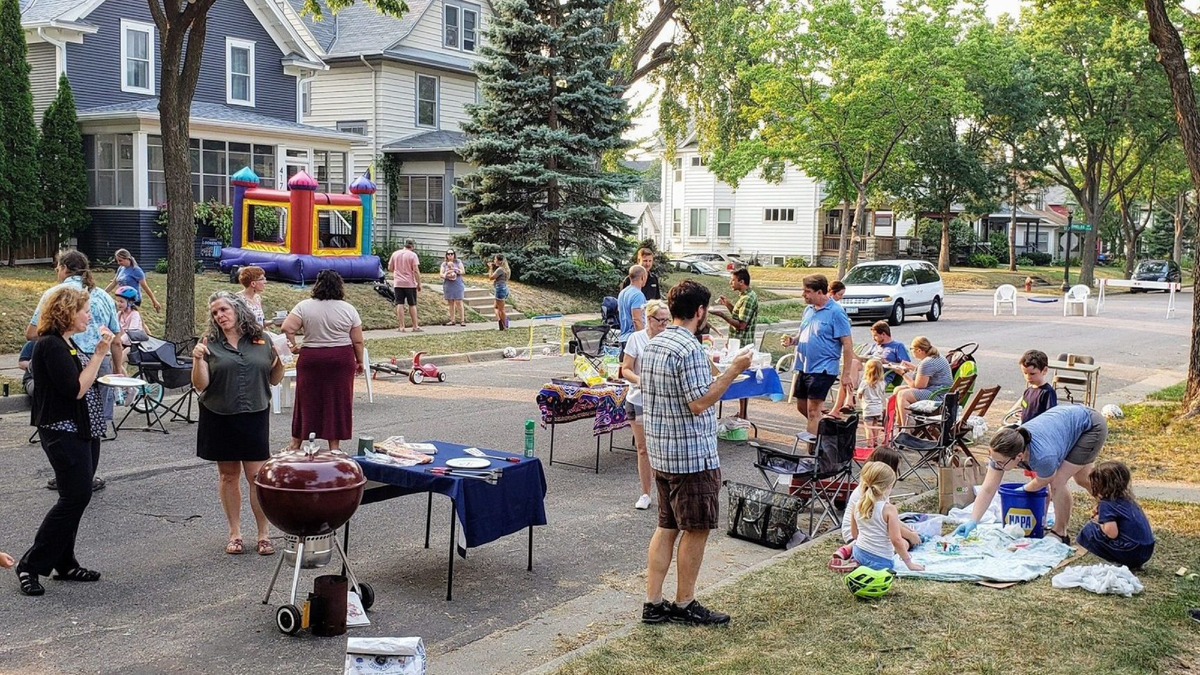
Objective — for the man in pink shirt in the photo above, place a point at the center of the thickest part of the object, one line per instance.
(406, 279)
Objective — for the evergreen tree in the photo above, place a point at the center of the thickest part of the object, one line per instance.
(63, 178)
(18, 134)
(550, 113)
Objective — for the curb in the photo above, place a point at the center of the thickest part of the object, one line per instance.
(15, 403)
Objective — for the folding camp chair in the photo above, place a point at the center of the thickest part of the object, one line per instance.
(163, 365)
(824, 479)
(588, 340)
(978, 407)
(931, 451)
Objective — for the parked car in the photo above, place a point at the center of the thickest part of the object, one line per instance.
(699, 267)
(893, 290)
(725, 260)
(1156, 270)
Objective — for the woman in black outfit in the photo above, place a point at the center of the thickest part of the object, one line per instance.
(68, 412)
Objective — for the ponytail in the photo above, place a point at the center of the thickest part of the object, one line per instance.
(77, 265)
(876, 478)
(1010, 441)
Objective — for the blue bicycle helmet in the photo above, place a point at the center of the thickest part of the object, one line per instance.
(128, 292)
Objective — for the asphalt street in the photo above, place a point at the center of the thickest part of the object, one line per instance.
(171, 601)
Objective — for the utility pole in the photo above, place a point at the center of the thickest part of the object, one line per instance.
(1066, 284)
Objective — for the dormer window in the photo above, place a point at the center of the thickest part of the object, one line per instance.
(137, 57)
(239, 72)
(461, 27)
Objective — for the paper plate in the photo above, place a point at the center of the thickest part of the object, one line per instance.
(468, 463)
(119, 381)
(740, 378)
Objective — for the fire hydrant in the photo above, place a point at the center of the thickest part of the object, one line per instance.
(1028, 284)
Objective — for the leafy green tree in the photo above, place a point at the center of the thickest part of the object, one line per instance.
(550, 112)
(63, 177)
(19, 215)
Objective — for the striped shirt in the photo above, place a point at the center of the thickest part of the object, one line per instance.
(674, 371)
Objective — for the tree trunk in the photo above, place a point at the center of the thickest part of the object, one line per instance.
(1012, 223)
(860, 212)
(1172, 57)
(1178, 215)
(944, 252)
(843, 240)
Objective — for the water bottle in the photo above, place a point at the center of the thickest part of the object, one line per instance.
(529, 438)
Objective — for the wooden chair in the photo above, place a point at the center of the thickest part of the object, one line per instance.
(979, 406)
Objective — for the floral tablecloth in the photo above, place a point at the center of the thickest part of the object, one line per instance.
(561, 403)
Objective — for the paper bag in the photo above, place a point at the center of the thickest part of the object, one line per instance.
(956, 485)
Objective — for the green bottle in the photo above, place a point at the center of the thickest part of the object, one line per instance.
(529, 438)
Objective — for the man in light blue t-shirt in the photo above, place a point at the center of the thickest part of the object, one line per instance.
(631, 305)
(823, 349)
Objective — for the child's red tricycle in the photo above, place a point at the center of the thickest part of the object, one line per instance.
(421, 371)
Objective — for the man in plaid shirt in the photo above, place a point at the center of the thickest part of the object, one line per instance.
(743, 318)
(678, 397)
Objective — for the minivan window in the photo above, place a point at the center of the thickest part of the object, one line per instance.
(873, 275)
(927, 275)
(908, 274)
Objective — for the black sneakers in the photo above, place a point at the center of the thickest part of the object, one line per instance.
(656, 612)
(1195, 614)
(697, 614)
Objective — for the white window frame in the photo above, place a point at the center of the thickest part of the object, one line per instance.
(352, 126)
(453, 42)
(305, 96)
(248, 45)
(699, 161)
(437, 102)
(702, 232)
(677, 164)
(676, 222)
(784, 215)
(460, 27)
(148, 29)
(728, 222)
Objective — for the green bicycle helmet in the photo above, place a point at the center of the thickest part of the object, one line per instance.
(865, 582)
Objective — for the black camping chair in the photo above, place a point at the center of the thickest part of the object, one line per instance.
(162, 365)
(823, 479)
(935, 446)
(588, 340)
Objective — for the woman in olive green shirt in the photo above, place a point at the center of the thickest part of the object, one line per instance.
(233, 368)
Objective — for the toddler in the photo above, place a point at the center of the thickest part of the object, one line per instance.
(1118, 531)
(875, 523)
(871, 394)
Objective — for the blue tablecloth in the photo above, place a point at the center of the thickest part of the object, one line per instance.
(770, 387)
(487, 512)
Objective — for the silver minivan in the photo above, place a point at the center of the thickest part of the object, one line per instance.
(893, 290)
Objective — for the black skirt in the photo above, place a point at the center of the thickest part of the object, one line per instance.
(243, 437)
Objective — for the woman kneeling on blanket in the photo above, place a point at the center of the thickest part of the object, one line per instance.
(875, 523)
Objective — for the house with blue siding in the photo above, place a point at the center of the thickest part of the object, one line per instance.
(403, 84)
(247, 109)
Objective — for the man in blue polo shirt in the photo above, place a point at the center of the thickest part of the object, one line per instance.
(821, 343)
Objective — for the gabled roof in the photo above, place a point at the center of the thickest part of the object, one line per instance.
(215, 113)
(360, 29)
(428, 141)
(39, 11)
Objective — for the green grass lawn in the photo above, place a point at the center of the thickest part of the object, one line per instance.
(797, 617)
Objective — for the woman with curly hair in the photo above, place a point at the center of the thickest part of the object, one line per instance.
(68, 412)
(233, 368)
(331, 356)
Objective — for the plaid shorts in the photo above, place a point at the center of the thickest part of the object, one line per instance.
(689, 501)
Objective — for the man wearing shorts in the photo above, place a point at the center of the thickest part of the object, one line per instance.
(678, 399)
(406, 279)
(822, 341)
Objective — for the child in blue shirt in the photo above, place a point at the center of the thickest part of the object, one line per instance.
(1118, 531)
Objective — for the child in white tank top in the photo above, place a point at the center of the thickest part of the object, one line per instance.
(876, 522)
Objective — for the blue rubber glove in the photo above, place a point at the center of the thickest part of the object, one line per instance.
(966, 529)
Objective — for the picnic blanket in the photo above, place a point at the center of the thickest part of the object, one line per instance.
(986, 556)
(561, 403)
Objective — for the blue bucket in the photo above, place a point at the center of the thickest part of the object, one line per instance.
(1027, 509)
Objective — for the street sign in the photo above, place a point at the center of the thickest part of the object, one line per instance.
(1081, 227)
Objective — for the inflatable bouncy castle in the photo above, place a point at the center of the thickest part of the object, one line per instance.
(295, 233)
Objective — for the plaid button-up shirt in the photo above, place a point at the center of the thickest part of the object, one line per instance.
(746, 310)
(675, 370)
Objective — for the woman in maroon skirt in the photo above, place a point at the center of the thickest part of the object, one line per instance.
(331, 356)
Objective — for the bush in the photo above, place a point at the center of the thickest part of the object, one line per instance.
(1025, 261)
(587, 278)
(1037, 258)
(795, 263)
(982, 260)
(430, 262)
(161, 266)
(998, 247)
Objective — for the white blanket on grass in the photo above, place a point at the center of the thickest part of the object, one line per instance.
(985, 556)
(1102, 579)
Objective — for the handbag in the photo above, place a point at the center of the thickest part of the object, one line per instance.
(760, 515)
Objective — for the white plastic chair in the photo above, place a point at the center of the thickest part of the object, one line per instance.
(1078, 295)
(1005, 294)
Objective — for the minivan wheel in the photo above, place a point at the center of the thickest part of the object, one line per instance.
(897, 316)
(935, 310)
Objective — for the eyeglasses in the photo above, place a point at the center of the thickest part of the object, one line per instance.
(661, 321)
(1003, 465)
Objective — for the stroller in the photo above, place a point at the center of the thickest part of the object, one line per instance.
(162, 365)
(386, 291)
(962, 363)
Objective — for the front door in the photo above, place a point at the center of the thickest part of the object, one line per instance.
(294, 161)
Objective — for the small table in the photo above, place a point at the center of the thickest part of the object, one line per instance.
(604, 404)
(1091, 372)
(488, 512)
(769, 387)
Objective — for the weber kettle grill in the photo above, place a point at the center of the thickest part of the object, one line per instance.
(308, 494)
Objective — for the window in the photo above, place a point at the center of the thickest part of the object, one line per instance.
(676, 221)
(355, 127)
(239, 72)
(678, 164)
(218, 159)
(460, 201)
(330, 171)
(306, 97)
(883, 224)
(108, 160)
(724, 222)
(779, 215)
(698, 227)
(427, 101)
(137, 57)
(927, 275)
(699, 161)
(461, 26)
(418, 201)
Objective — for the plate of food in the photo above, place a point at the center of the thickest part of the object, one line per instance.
(468, 463)
(120, 381)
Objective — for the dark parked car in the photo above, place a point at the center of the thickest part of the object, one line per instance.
(698, 267)
(1156, 270)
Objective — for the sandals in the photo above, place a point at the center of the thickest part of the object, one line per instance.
(1064, 538)
(265, 547)
(30, 584)
(78, 574)
(235, 547)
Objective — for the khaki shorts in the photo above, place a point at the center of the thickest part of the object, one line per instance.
(1087, 448)
(689, 501)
